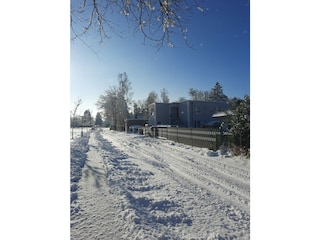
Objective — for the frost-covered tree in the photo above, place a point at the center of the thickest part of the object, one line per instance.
(196, 95)
(157, 20)
(107, 103)
(152, 98)
(139, 109)
(136, 110)
(73, 119)
(87, 120)
(239, 123)
(125, 87)
(206, 96)
(122, 112)
(98, 120)
(143, 108)
(215, 94)
(115, 102)
(164, 95)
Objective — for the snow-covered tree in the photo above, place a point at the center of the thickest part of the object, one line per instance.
(239, 123)
(206, 96)
(108, 104)
(140, 109)
(87, 120)
(164, 95)
(152, 98)
(98, 120)
(136, 110)
(125, 87)
(196, 95)
(122, 112)
(73, 119)
(114, 103)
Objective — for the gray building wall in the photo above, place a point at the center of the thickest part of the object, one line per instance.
(201, 111)
(186, 114)
(159, 113)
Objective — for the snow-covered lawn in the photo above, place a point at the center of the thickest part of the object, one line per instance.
(128, 186)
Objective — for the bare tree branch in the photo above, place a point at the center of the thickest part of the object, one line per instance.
(157, 20)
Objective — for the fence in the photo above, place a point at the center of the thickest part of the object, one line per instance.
(199, 137)
(76, 132)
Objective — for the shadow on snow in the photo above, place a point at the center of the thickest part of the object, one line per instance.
(126, 178)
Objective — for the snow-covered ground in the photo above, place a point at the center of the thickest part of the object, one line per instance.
(128, 186)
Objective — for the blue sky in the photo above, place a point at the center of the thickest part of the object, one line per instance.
(220, 53)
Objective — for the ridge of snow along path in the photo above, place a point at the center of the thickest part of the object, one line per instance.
(127, 186)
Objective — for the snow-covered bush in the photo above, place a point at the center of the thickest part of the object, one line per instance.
(239, 123)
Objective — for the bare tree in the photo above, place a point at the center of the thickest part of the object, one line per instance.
(157, 20)
(73, 114)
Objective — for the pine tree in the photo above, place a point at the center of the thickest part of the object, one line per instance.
(217, 94)
(98, 121)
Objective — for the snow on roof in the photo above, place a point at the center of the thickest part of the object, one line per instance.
(135, 126)
(221, 114)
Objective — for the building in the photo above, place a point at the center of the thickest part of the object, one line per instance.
(185, 114)
(134, 122)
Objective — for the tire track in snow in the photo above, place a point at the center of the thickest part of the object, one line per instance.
(228, 187)
(216, 187)
(207, 176)
(236, 210)
(151, 217)
(214, 163)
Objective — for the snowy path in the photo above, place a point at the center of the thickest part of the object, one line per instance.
(135, 187)
(98, 219)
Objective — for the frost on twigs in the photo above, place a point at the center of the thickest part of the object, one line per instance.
(159, 21)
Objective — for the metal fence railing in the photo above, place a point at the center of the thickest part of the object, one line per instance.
(199, 137)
